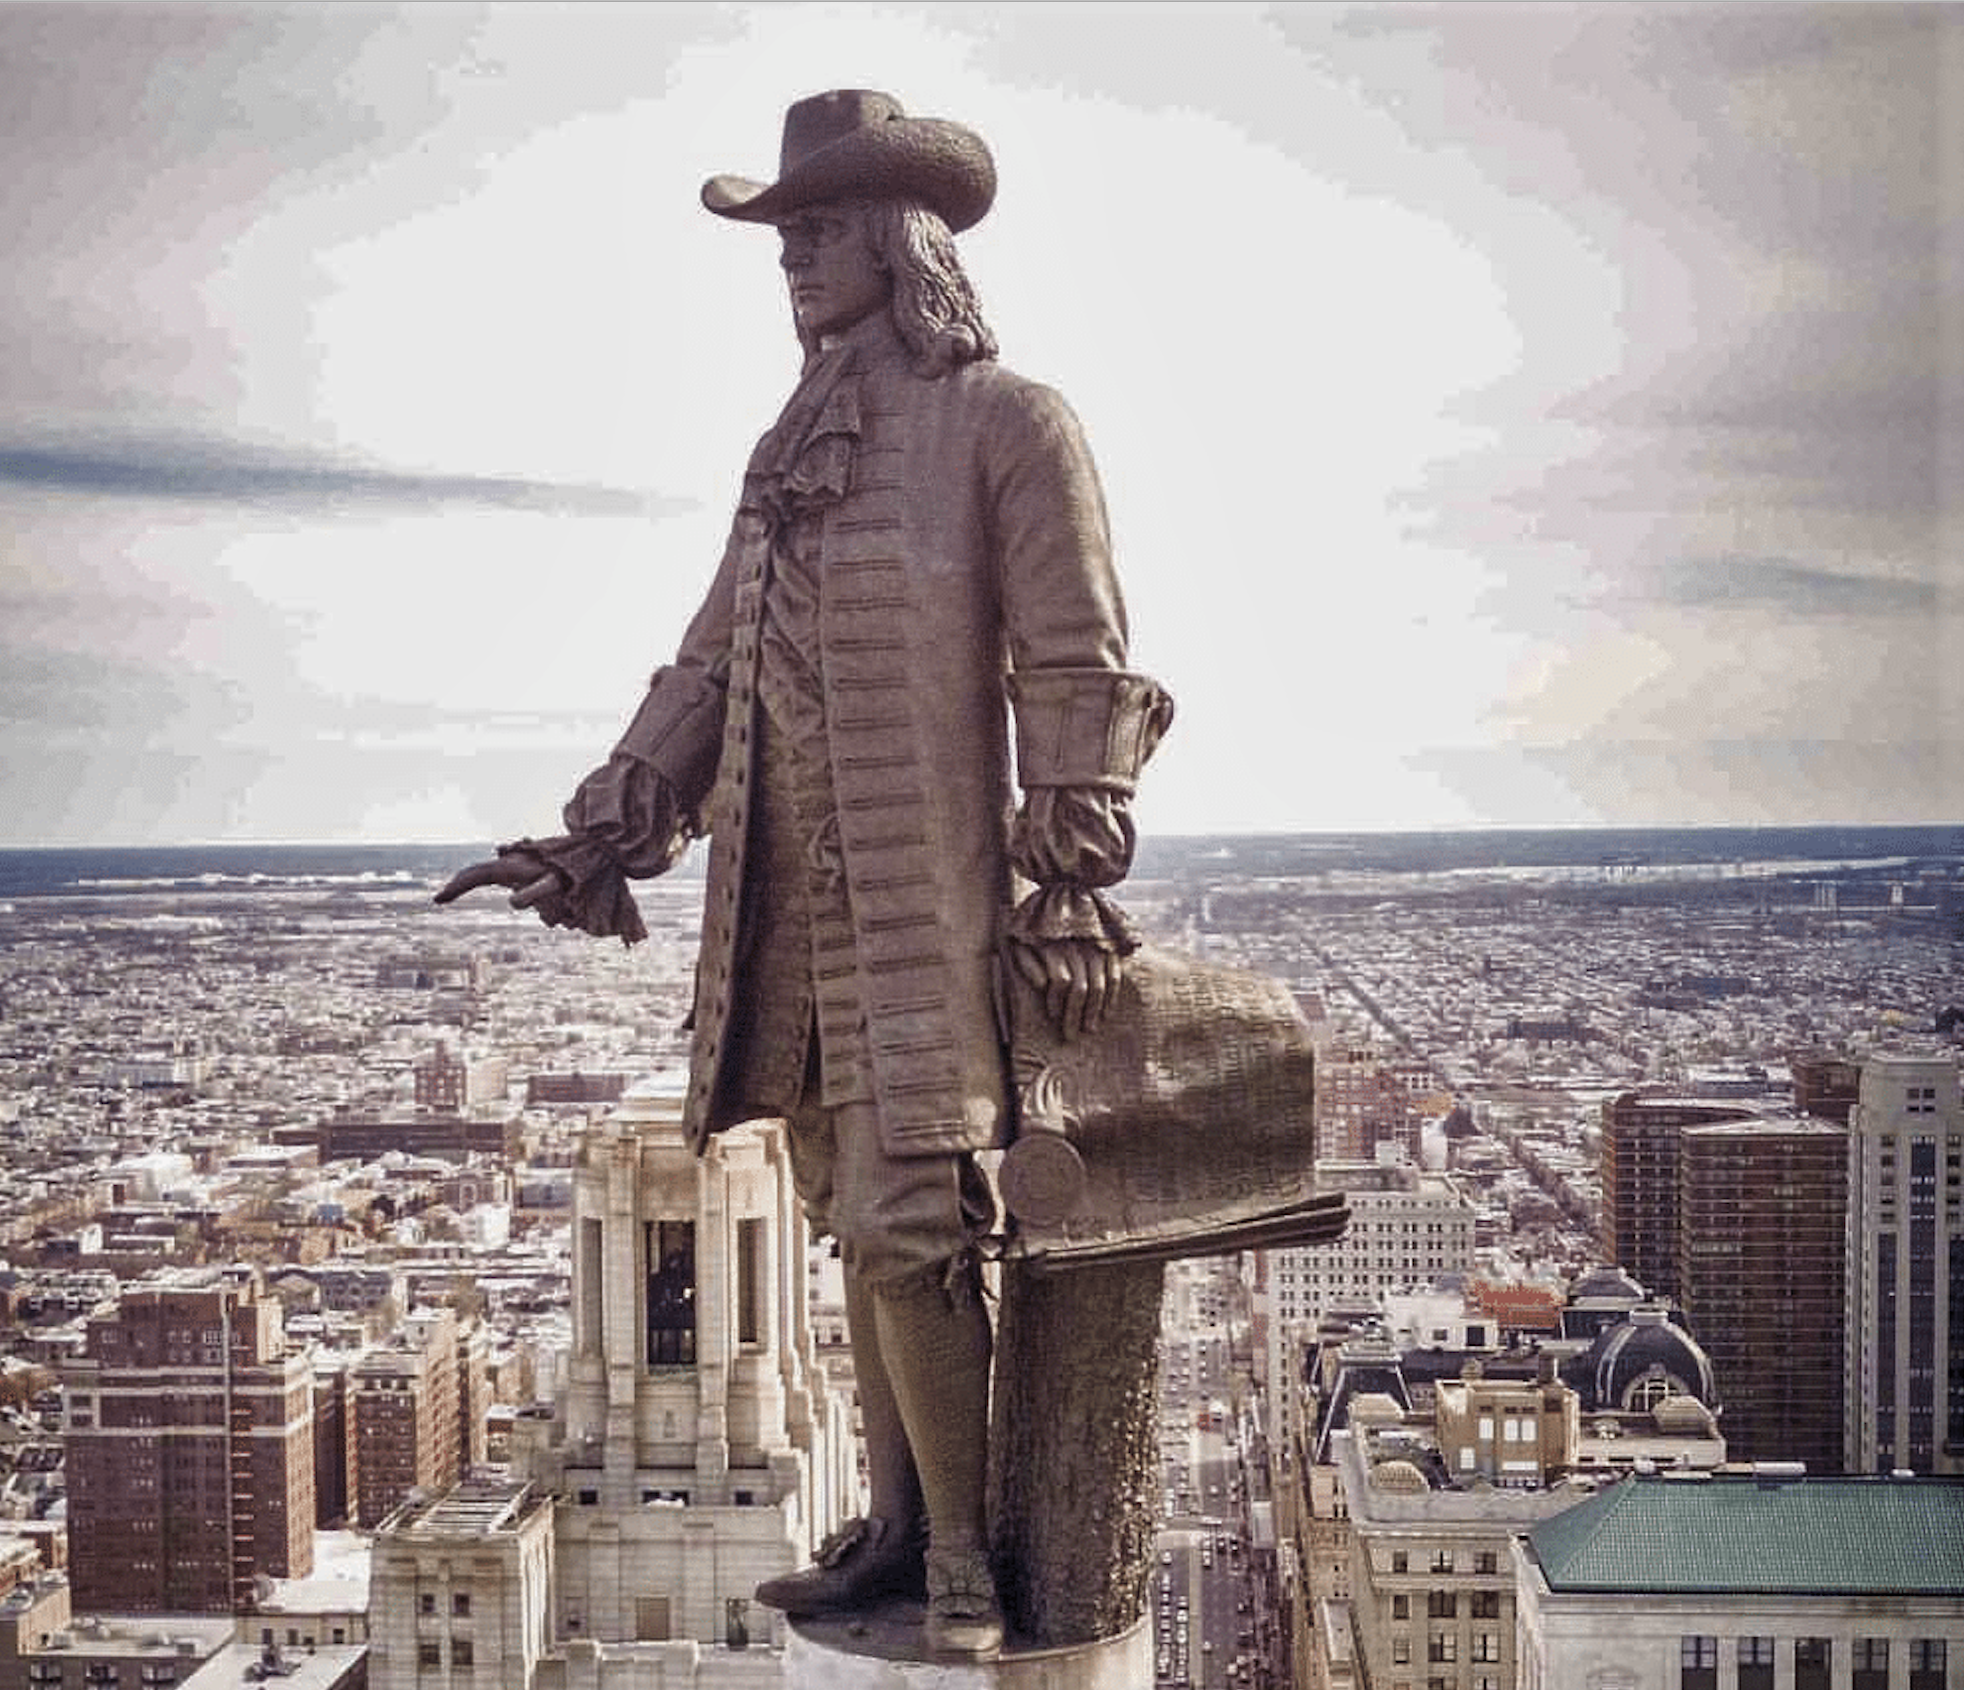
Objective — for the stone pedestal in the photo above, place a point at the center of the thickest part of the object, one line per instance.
(882, 1651)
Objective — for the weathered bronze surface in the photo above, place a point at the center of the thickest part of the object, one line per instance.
(916, 614)
(1181, 1127)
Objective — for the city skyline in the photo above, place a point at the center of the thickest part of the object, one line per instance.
(442, 1151)
(1512, 416)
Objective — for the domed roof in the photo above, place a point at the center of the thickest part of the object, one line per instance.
(1606, 1284)
(1644, 1359)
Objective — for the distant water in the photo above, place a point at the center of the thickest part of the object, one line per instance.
(116, 870)
(233, 869)
(1633, 849)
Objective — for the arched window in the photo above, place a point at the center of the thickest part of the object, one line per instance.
(1650, 1388)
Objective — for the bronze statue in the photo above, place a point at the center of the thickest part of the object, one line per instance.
(918, 579)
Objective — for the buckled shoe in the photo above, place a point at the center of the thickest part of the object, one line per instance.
(964, 1616)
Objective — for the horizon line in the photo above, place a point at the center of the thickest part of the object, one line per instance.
(1454, 828)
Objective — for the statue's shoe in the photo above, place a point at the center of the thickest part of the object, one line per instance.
(865, 1562)
(964, 1616)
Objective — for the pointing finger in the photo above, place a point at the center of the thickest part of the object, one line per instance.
(469, 879)
(535, 891)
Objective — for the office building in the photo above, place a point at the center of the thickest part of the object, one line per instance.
(87, 1652)
(576, 1088)
(461, 1588)
(1905, 1245)
(1760, 1253)
(449, 1082)
(453, 1138)
(1430, 1600)
(1640, 1180)
(1825, 1087)
(1425, 1454)
(1406, 1229)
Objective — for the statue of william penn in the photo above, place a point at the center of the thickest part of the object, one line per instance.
(918, 578)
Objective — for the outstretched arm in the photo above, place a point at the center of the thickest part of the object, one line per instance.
(635, 815)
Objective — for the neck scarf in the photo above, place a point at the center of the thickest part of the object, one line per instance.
(804, 461)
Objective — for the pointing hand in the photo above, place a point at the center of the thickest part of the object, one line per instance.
(531, 882)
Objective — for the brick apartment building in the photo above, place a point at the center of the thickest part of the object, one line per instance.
(405, 1417)
(1367, 1096)
(189, 1449)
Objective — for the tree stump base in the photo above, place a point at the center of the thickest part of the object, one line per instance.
(1073, 1451)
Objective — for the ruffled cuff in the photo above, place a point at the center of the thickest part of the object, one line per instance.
(592, 895)
(1072, 840)
(1063, 911)
(623, 821)
(1080, 834)
(629, 807)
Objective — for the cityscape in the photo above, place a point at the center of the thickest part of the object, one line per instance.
(1508, 1238)
(370, 1321)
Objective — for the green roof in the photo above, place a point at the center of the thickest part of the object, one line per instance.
(1769, 1536)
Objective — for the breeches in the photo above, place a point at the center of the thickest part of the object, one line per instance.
(902, 1222)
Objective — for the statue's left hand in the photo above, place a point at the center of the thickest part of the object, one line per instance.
(1077, 977)
(531, 882)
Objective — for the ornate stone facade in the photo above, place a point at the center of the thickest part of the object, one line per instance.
(697, 1449)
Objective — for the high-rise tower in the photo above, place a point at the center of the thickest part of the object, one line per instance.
(694, 1461)
(1905, 1310)
(1640, 1180)
(1760, 1219)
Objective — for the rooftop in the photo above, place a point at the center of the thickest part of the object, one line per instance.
(325, 1666)
(1769, 1126)
(338, 1583)
(1760, 1534)
(474, 1508)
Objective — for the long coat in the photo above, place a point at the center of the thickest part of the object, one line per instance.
(968, 545)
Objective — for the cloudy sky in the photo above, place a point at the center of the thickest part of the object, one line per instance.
(1511, 415)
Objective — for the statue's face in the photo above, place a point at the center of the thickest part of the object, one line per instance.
(834, 276)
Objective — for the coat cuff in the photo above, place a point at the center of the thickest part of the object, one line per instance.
(1086, 727)
(678, 731)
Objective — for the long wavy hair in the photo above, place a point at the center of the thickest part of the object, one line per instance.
(936, 311)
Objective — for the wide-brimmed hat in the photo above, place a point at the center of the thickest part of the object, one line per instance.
(856, 144)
